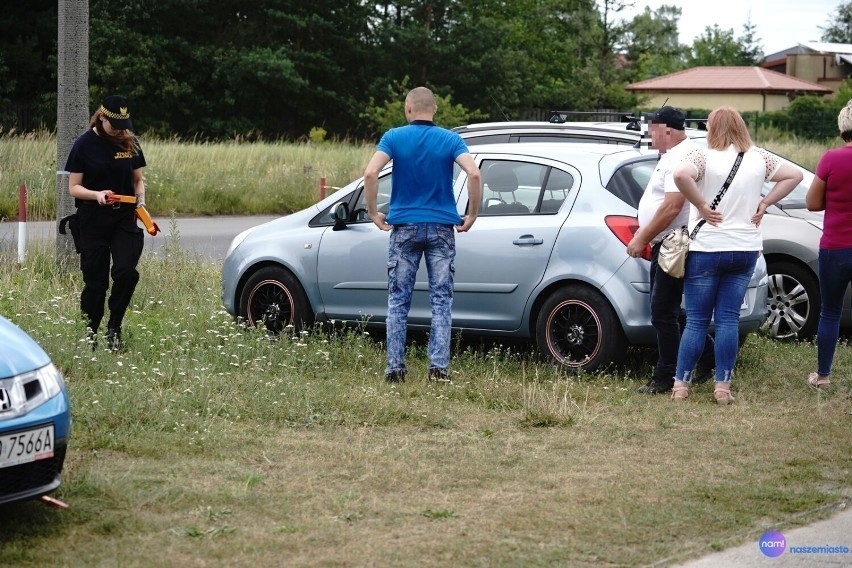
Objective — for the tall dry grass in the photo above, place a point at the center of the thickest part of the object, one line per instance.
(189, 178)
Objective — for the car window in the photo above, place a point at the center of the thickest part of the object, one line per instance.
(474, 139)
(512, 187)
(796, 198)
(358, 209)
(629, 182)
(577, 138)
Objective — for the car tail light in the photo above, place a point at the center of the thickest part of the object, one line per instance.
(624, 228)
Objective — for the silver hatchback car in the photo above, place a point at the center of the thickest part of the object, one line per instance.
(545, 260)
(791, 233)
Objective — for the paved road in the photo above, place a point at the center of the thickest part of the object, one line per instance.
(823, 544)
(209, 237)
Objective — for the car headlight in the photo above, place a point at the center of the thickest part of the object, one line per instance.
(51, 380)
(27, 391)
(238, 241)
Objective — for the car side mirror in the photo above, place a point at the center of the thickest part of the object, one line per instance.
(341, 216)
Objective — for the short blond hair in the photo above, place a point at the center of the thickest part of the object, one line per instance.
(421, 100)
(844, 122)
(726, 127)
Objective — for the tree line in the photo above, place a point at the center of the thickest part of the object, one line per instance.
(213, 69)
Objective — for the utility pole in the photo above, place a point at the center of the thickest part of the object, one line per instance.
(72, 107)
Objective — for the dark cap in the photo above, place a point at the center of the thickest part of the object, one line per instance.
(670, 116)
(115, 109)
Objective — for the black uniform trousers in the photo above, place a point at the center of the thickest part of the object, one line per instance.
(107, 232)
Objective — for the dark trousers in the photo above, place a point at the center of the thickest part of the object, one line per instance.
(106, 234)
(666, 313)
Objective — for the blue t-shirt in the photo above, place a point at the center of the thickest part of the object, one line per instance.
(422, 185)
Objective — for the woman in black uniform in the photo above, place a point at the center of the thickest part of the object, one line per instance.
(106, 161)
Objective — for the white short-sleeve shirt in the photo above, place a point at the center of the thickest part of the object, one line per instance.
(662, 182)
(738, 205)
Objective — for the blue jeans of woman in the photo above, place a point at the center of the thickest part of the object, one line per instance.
(714, 287)
(408, 244)
(835, 274)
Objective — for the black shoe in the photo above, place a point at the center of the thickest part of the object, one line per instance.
(92, 338)
(656, 387)
(395, 377)
(438, 374)
(113, 337)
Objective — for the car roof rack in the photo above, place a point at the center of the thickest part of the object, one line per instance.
(633, 121)
(560, 116)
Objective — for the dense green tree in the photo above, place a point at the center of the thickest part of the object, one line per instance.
(284, 67)
(717, 46)
(838, 29)
(271, 67)
(751, 48)
(652, 44)
(611, 36)
(28, 64)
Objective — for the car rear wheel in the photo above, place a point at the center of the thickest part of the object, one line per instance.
(577, 328)
(792, 301)
(272, 297)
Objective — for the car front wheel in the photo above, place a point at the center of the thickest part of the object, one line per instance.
(792, 301)
(272, 297)
(577, 328)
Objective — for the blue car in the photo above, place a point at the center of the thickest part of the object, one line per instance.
(35, 418)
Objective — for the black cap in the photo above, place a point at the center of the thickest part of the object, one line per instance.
(670, 116)
(115, 109)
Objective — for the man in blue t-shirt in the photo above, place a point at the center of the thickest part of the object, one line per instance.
(422, 216)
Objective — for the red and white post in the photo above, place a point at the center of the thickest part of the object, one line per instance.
(22, 223)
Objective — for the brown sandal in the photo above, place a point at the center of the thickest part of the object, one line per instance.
(817, 383)
(680, 391)
(723, 395)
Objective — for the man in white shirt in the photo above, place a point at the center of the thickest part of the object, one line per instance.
(662, 209)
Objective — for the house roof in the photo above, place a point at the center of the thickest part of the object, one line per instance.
(810, 47)
(728, 79)
(824, 47)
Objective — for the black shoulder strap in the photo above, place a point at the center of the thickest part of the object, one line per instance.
(721, 193)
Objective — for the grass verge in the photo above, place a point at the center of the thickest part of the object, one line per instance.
(204, 443)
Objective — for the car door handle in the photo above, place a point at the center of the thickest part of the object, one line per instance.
(527, 240)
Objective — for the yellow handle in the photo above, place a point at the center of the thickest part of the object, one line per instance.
(143, 215)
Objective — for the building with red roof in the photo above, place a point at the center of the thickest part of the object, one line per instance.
(744, 88)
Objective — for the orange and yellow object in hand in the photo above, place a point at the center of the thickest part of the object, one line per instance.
(143, 215)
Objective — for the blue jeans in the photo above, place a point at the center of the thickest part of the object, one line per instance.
(408, 244)
(714, 286)
(835, 273)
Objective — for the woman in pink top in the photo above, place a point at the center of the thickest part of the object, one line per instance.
(831, 191)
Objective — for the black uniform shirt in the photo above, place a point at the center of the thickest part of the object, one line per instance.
(104, 165)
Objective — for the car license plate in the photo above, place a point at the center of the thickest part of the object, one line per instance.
(26, 446)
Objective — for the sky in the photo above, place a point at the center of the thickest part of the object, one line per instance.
(779, 24)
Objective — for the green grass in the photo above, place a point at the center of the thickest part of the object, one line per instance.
(186, 178)
(189, 178)
(205, 443)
